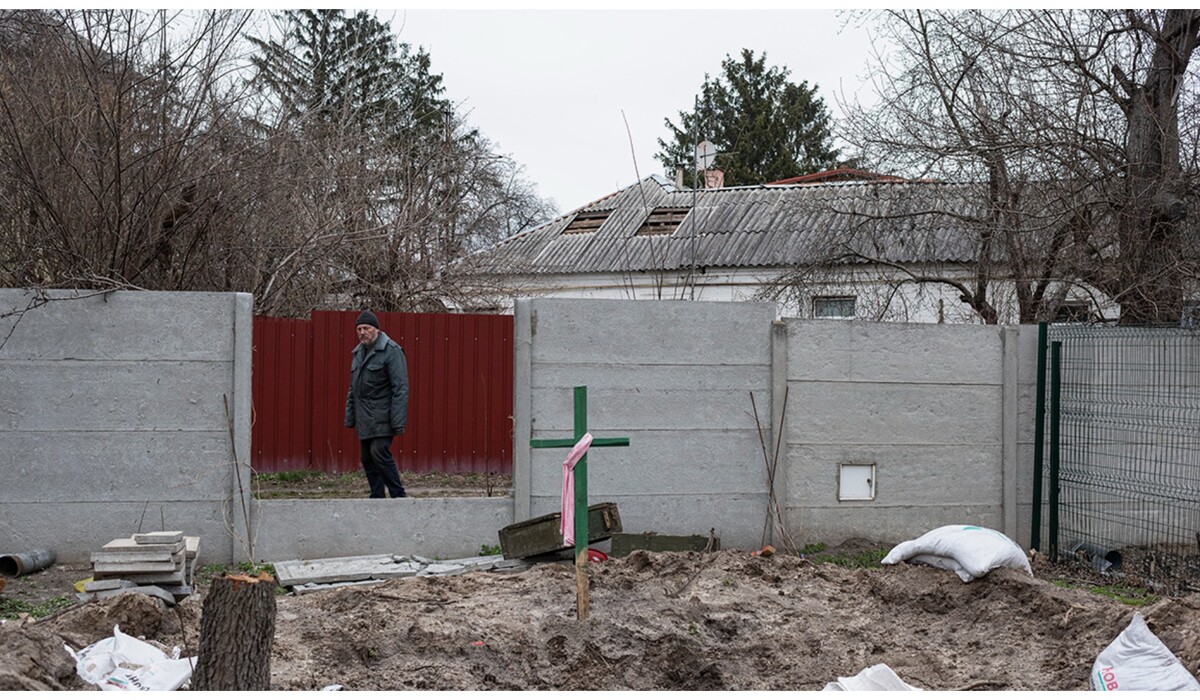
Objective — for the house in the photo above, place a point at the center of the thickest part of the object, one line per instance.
(842, 244)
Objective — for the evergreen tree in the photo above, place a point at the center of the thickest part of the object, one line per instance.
(765, 127)
(331, 68)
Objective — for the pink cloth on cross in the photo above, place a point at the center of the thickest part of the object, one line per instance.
(567, 526)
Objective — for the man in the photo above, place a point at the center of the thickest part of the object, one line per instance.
(377, 403)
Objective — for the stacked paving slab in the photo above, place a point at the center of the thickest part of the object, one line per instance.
(162, 564)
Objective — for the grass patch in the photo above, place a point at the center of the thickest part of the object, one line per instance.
(1122, 594)
(10, 609)
(490, 550)
(286, 477)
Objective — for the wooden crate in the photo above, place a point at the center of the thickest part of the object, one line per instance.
(626, 542)
(541, 535)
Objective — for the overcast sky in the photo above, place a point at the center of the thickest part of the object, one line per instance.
(554, 88)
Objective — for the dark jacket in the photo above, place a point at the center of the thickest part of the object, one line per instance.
(377, 403)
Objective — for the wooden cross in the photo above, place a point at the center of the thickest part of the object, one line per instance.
(581, 495)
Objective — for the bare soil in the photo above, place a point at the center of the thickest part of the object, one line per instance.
(691, 621)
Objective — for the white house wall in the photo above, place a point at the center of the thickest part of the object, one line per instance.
(878, 297)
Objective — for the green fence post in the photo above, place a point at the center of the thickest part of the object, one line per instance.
(581, 482)
(1055, 394)
(1039, 439)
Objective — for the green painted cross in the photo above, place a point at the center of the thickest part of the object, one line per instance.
(581, 494)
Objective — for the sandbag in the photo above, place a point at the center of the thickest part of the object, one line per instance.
(877, 677)
(968, 550)
(1138, 660)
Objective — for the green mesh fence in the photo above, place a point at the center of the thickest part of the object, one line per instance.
(1128, 452)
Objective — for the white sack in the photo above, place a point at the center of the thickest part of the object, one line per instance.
(1138, 660)
(877, 677)
(968, 550)
(121, 662)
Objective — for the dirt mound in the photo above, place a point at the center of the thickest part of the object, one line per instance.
(34, 659)
(703, 622)
(688, 621)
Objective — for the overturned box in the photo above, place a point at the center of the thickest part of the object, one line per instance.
(624, 543)
(542, 535)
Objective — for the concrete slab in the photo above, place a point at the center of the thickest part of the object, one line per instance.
(128, 544)
(314, 587)
(103, 557)
(295, 572)
(161, 537)
(107, 585)
(175, 578)
(136, 567)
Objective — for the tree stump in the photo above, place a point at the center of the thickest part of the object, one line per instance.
(237, 626)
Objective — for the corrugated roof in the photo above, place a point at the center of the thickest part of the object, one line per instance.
(756, 226)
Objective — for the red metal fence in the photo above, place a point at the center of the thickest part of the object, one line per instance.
(460, 375)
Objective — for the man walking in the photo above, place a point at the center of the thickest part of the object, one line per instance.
(377, 403)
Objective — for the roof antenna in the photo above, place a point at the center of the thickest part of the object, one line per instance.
(633, 155)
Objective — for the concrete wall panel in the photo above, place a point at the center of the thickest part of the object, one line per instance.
(131, 326)
(113, 396)
(929, 475)
(74, 467)
(115, 419)
(684, 462)
(893, 413)
(444, 527)
(674, 377)
(849, 351)
(659, 332)
(631, 407)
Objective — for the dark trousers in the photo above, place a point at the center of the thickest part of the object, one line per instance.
(380, 467)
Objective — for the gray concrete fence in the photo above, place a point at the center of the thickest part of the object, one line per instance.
(114, 421)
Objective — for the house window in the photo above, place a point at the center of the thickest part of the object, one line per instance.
(833, 307)
(663, 221)
(587, 222)
(1073, 312)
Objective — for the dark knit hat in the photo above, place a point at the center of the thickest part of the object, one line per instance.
(368, 318)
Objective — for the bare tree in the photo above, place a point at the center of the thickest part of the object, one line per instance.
(111, 130)
(141, 150)
(1056, 137)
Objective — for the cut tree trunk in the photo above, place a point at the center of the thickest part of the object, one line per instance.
(237, 626)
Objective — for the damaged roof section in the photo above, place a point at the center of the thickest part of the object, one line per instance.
(654, 225)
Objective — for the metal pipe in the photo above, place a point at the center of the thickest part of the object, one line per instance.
(23, 563)
(1101, 559)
